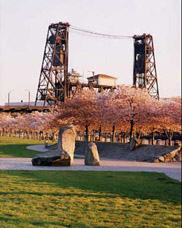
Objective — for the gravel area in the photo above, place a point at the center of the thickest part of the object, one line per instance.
(172, 170)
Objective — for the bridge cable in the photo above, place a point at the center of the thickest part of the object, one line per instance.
(109, 36)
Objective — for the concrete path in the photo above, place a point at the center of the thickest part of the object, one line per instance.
(39, 148)
(172, 170)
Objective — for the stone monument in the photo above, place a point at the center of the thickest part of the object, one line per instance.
(64, 154)
(92, 155)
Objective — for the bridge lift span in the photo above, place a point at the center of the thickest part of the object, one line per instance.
(55, 84)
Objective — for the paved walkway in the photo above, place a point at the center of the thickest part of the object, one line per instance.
(172, 170)
(39, 148)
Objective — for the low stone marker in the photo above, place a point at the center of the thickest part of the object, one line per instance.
(92, 155)
(132, 144)
(62, 160)
(172, 156)
(65, 153)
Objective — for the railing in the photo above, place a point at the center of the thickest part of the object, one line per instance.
(144, 141)
(104, 137)
(41, 136)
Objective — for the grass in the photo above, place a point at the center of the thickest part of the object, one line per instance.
(78, 199)
(16, 147)
(88, 199)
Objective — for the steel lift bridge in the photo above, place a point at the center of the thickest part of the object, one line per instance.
(55, 84)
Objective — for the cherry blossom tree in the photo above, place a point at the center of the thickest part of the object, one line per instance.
(126, 109)
(80, 111)
(169, 119)
(128, 106)
(7, 122)
(27, 123)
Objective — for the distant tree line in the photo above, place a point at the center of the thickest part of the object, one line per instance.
(127, 111)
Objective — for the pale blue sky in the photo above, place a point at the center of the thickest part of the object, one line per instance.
(23, 29)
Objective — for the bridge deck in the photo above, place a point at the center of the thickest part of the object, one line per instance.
(23, 109)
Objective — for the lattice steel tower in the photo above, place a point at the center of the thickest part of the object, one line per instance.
(52, 86)
(144, 73)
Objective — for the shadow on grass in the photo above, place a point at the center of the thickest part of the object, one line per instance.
(86, 194)
(133, 185)
(35, 222)
(17, 150)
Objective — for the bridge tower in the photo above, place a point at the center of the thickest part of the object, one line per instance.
(144, 72)
(53, 80)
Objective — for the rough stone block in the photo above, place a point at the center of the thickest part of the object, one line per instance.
(51, 161)
(92, 155)
(132, 144)
(161, 159)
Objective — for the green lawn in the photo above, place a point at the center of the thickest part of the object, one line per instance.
(84, 199)
(16, 147)
(88, 199)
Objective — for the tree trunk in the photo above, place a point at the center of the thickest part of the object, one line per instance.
(153, 138)
(169, 135)
(170, 139)
(93, 135)
(131, 128)
(138, 138)
(165, 141)
(46, 136)
(124, 138)
(28, 134)
(100, 132)
(113, 133)
(86, 133)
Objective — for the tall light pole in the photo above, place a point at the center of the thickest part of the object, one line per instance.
(9, 96)
(28, 97)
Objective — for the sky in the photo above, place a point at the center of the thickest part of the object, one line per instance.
(23, 29)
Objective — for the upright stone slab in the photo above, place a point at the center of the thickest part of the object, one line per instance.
(92, 155)
(66, 141)
(63, 156)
